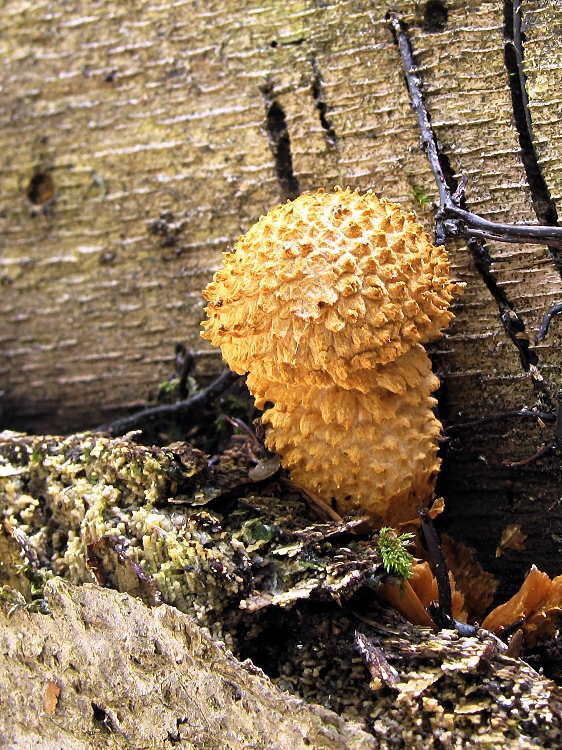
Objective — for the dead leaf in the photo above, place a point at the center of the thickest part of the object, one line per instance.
(477, 585)
(512, 538)
(407, 602)
(538, 603)
(437, 508)
(51, 696)
(417, 593)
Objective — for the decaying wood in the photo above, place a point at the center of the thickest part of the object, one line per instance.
(130, 676)
(108, 668)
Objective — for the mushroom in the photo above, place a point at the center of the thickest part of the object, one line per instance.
(326, 302)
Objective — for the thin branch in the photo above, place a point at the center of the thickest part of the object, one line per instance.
(548, 447)
(443, 615)
(451, 220)
(428, 140)
(472, 225)
(322, 508)
(544, 416)
(526, 461)
(179, 409)
(545, 325)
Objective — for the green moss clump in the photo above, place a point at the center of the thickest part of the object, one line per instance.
(396, 559)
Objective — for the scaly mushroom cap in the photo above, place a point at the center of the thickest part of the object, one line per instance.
(327, 287)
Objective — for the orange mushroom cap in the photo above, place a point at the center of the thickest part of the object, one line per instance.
(327, 285)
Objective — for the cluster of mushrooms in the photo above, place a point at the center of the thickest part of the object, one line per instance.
(326, 303)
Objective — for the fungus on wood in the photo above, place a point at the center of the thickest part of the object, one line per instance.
(326, 302)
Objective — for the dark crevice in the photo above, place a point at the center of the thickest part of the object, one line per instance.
(293, 43)
(280, 144)
(543, 205)
(448, 172)
(322, 107)
(435, 16)
(100, 717)
(41, 188)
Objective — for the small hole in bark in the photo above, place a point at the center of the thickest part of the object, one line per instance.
(435, 16)
(107, 257)
(273, 44)
(41, 188)
(99, 715)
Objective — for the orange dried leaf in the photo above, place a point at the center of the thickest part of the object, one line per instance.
(478, 586)
(51, 696)
(418, 592)
(424, 584)
(437, 507)
(538, 602)
(406, 601)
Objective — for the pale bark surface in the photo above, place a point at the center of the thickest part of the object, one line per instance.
(542, 26)
(136, 112)
(152, 122)
(130, 677)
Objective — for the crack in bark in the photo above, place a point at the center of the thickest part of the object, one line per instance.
(435, 16)
(322, 107)
(543, 205)
(280, 144)
(512, 323)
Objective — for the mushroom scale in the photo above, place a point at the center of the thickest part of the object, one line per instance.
(325, 302)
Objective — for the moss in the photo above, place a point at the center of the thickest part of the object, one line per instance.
(396, 559)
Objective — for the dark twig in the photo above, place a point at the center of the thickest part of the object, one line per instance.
(442, 615)
(428, 141)
(257, 448)
(542, 415)
(179, 409)
(535, 457)
(185, 360)
(452, 221)
(314, 502)
(545, 325)
(549, 447)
